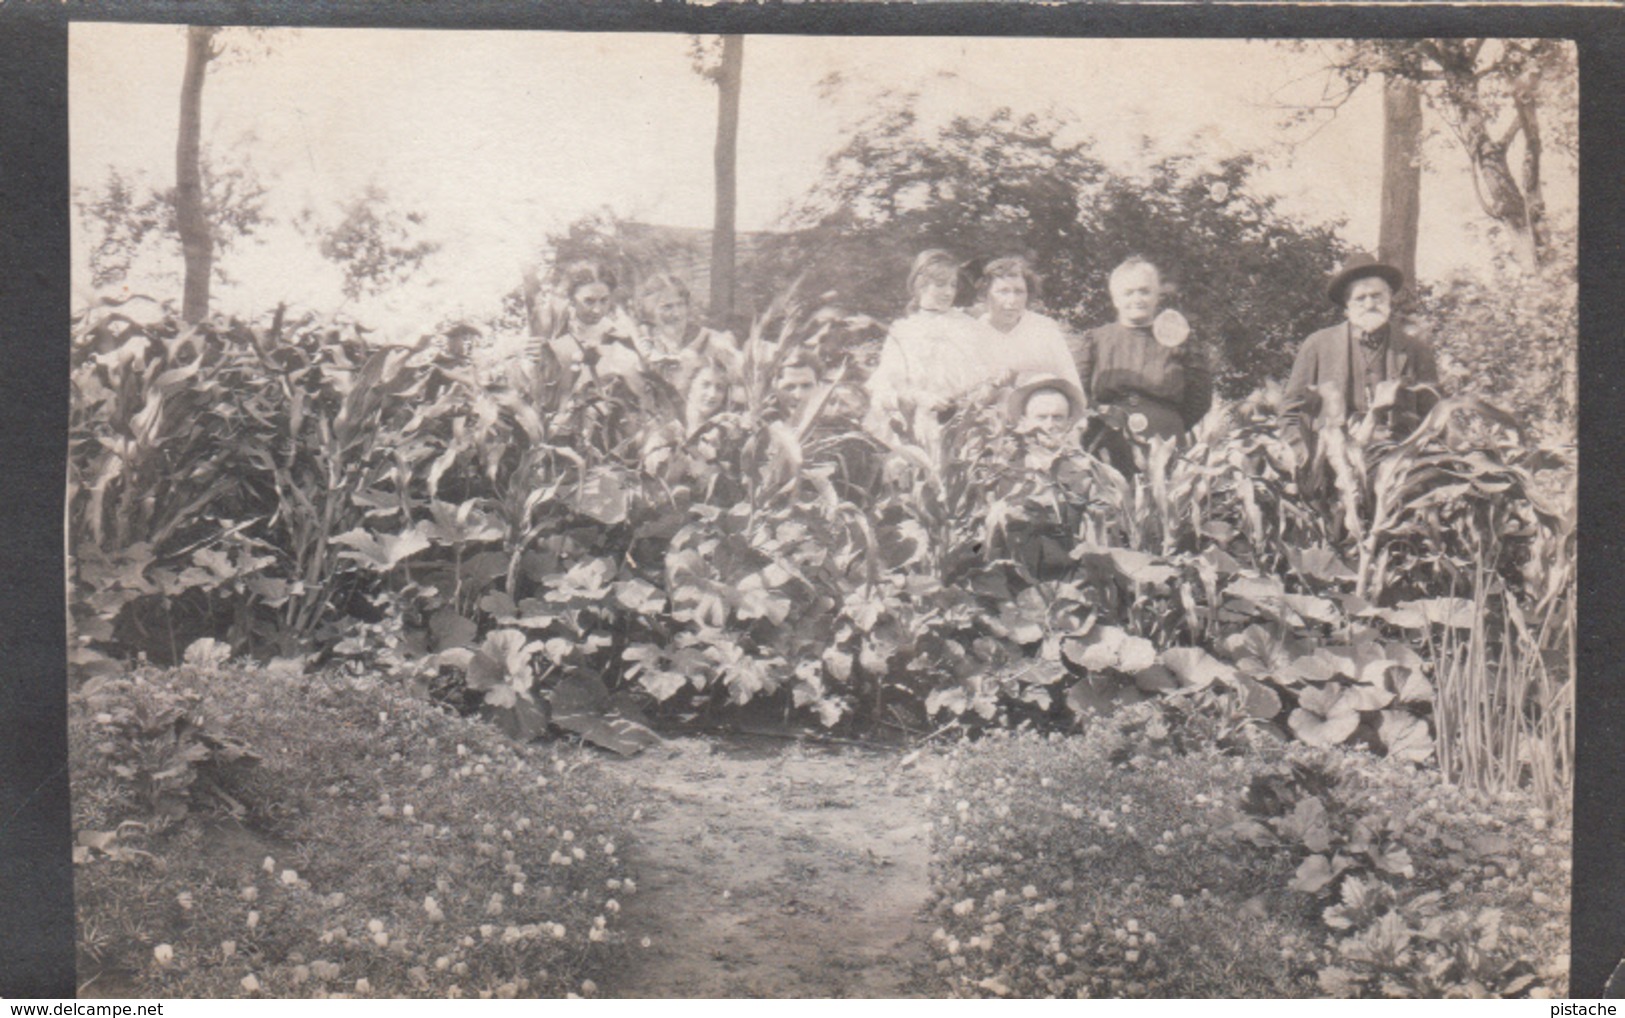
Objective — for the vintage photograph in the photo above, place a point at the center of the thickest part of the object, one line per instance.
(656, 515)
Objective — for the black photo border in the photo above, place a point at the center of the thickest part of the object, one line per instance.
(36, 913)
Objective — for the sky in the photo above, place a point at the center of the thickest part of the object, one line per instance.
(496, 138)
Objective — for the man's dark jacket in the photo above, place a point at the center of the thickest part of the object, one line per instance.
(1334, 355)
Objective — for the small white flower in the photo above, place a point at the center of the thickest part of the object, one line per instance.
(163, 954)
(250, 984)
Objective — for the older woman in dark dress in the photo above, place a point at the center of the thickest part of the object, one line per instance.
(1155, 382)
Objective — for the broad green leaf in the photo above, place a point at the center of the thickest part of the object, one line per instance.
(523, 719)
(603, 495)
(1363, 697)
(1313, 874)
(503, 658)
(381, 553)
(661, 685)
(640, 596)
(1320, 562)
(1319, 731)
(1196, 668)
(1324, 700)
(1309, 825)
(946, 698)
(1139, 567)
(1415, 688)
(1258, 699)
(451, 629)
(1156, 679)
(1405, 736)
(1315, 609)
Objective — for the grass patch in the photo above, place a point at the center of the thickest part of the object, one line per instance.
(1157, 857)
(254, 832)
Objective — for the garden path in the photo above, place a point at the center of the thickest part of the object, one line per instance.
(774, 870)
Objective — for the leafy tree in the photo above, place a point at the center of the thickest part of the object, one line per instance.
(376, 245)
(130, 220)
(1489, 94)
(1250, 278)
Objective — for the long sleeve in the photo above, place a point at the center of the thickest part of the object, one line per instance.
(1083, 359)
(1295, 403)
(1198, 396)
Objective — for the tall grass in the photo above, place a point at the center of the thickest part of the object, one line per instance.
(1504, 703)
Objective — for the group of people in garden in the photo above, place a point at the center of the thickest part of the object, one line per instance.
(1141, 373)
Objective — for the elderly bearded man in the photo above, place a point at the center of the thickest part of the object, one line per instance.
(1338, 369)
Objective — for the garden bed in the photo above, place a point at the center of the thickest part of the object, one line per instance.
(262, 832)
(1155, 857)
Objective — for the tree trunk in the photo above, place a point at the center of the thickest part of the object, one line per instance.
(1401, 175)
(1534, 201)
(197, 245)
(726, 158)
(1494, 185)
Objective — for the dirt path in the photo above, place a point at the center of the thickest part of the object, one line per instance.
(774, 870)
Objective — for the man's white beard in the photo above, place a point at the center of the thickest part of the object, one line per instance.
(1369, 321)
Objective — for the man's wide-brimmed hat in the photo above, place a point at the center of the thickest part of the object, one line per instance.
(1361, 265)
(1015, 406)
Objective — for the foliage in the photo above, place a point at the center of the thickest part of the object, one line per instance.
(565, 549)
(162, 745)
(1247, 276)
(1514, 339)
(1489, 94)
(127, 217)
(1166, 855)
(375, 245)
(357, 861)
